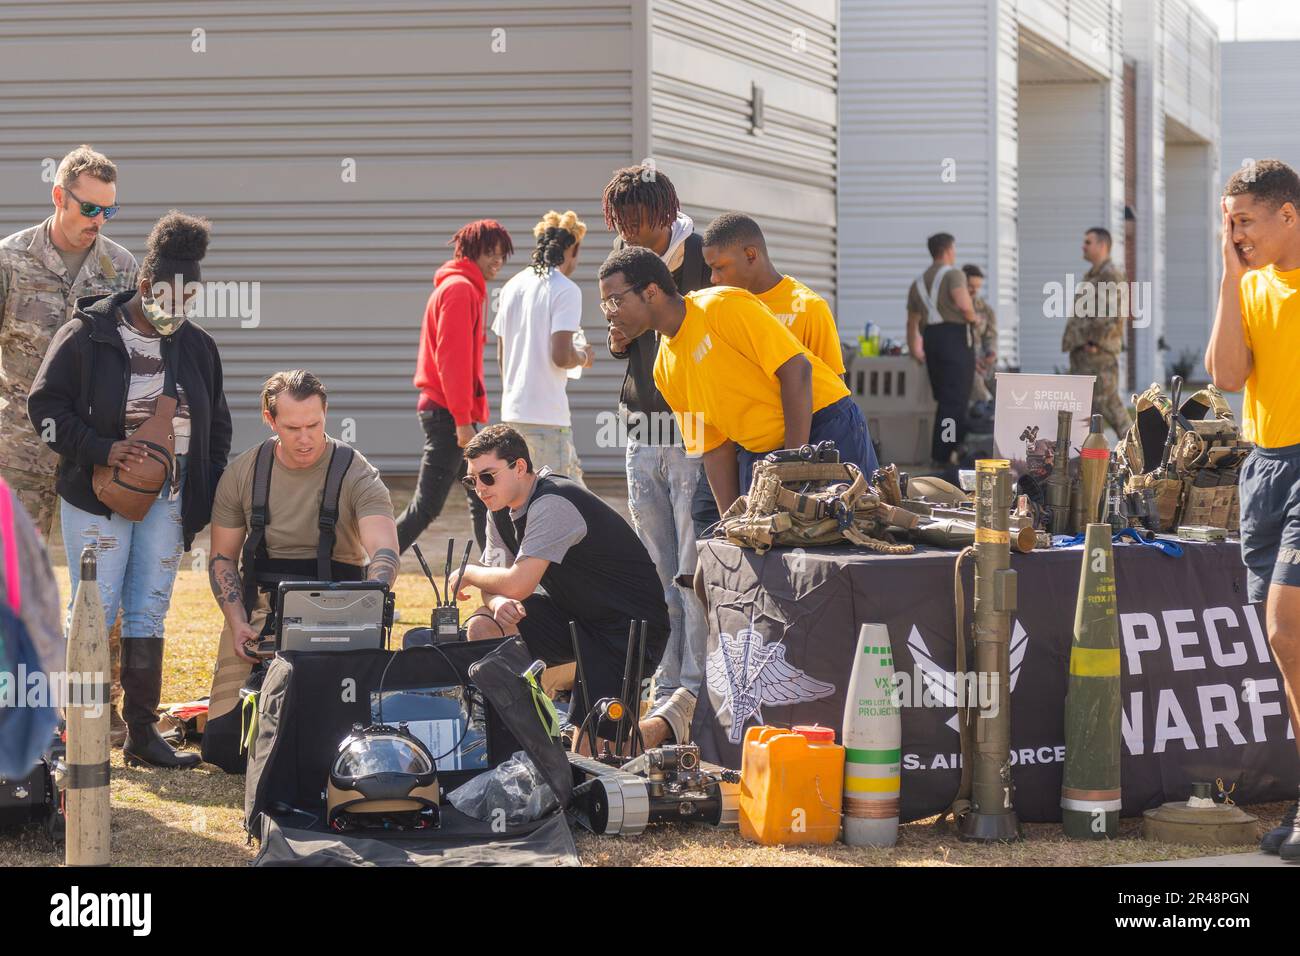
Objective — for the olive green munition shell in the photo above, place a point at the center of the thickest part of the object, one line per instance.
(1090, 787)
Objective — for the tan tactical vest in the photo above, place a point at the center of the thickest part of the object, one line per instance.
(1200, 485)
(809, 504)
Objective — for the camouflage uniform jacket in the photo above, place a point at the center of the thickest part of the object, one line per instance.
(986, 329)
(1099, 326)
(37, 296)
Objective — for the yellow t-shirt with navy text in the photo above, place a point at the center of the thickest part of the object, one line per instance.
(1270, 312)
(808, 318)
(718, 373)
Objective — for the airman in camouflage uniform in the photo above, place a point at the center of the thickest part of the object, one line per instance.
(986, 350)
(1094, 333)
(37, 296)
(985, 333)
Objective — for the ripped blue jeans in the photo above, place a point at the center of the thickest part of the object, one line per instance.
(136, 561)
(661, 485)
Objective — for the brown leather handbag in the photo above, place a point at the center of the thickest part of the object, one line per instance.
(132, 493)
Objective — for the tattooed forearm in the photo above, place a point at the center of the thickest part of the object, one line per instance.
(383, 566)
(224, 580)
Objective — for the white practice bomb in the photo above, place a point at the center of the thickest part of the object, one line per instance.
(89, 686)
(872, 735)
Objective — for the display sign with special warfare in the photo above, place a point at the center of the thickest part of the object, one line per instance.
(1025, 419)
(1201, 699)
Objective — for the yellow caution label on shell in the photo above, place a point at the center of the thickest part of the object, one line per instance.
(871, 784)
(992, 536)
(1094, 661)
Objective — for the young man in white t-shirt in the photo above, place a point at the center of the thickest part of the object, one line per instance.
(538, 327)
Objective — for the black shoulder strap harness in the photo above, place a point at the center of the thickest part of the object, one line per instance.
(257, 568)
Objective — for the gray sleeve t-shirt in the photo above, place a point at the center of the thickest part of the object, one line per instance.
(554, 526)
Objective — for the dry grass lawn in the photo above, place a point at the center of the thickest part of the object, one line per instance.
(195, 818)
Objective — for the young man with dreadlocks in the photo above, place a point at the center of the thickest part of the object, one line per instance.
(449, 373)
(538, 315)
(668, 494)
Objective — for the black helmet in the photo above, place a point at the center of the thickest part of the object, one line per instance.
(383, 778)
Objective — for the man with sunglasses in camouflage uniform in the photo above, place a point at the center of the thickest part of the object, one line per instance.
(44, 270)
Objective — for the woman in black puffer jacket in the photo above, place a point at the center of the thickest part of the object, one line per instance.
(98, 383)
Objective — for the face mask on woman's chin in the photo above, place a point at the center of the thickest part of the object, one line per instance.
(164, 322)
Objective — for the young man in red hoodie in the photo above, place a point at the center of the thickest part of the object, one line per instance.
(449, 373)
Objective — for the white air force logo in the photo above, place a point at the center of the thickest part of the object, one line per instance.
(942, 684)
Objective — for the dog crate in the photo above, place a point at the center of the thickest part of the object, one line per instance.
(893, 392)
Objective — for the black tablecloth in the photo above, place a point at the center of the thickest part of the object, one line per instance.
(1202, 699)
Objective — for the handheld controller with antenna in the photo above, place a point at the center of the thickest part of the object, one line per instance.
(446, 616)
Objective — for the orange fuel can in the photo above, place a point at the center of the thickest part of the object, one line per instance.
(791, 785)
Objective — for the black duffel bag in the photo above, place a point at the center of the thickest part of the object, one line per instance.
(308, 702)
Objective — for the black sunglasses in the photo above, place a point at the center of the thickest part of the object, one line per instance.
(488, 478)
(90, 210)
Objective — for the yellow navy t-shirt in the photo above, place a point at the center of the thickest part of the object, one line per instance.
(718, 373)
(808, 318)
(1270, 312)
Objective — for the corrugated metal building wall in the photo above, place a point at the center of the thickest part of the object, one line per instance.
(917, 154)
(1144, 33)
(1175, 50)
(708, 58)
(1261, 115)
(1191, 260)
(1260, 121)
(932, 87)
(1069, 150)
(452, 110)
(254, 131)
(1062, 193)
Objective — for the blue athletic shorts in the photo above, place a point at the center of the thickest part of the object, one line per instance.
(1269, 487)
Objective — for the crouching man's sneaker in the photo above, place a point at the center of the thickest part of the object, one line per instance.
(1289, 848)
(1274, 837)
(1284, 839)
(670, 720)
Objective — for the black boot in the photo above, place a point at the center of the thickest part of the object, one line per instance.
(1274, 837)
(116, 727)
(141, 690)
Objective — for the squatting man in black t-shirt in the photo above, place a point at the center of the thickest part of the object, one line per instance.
(547, 530)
